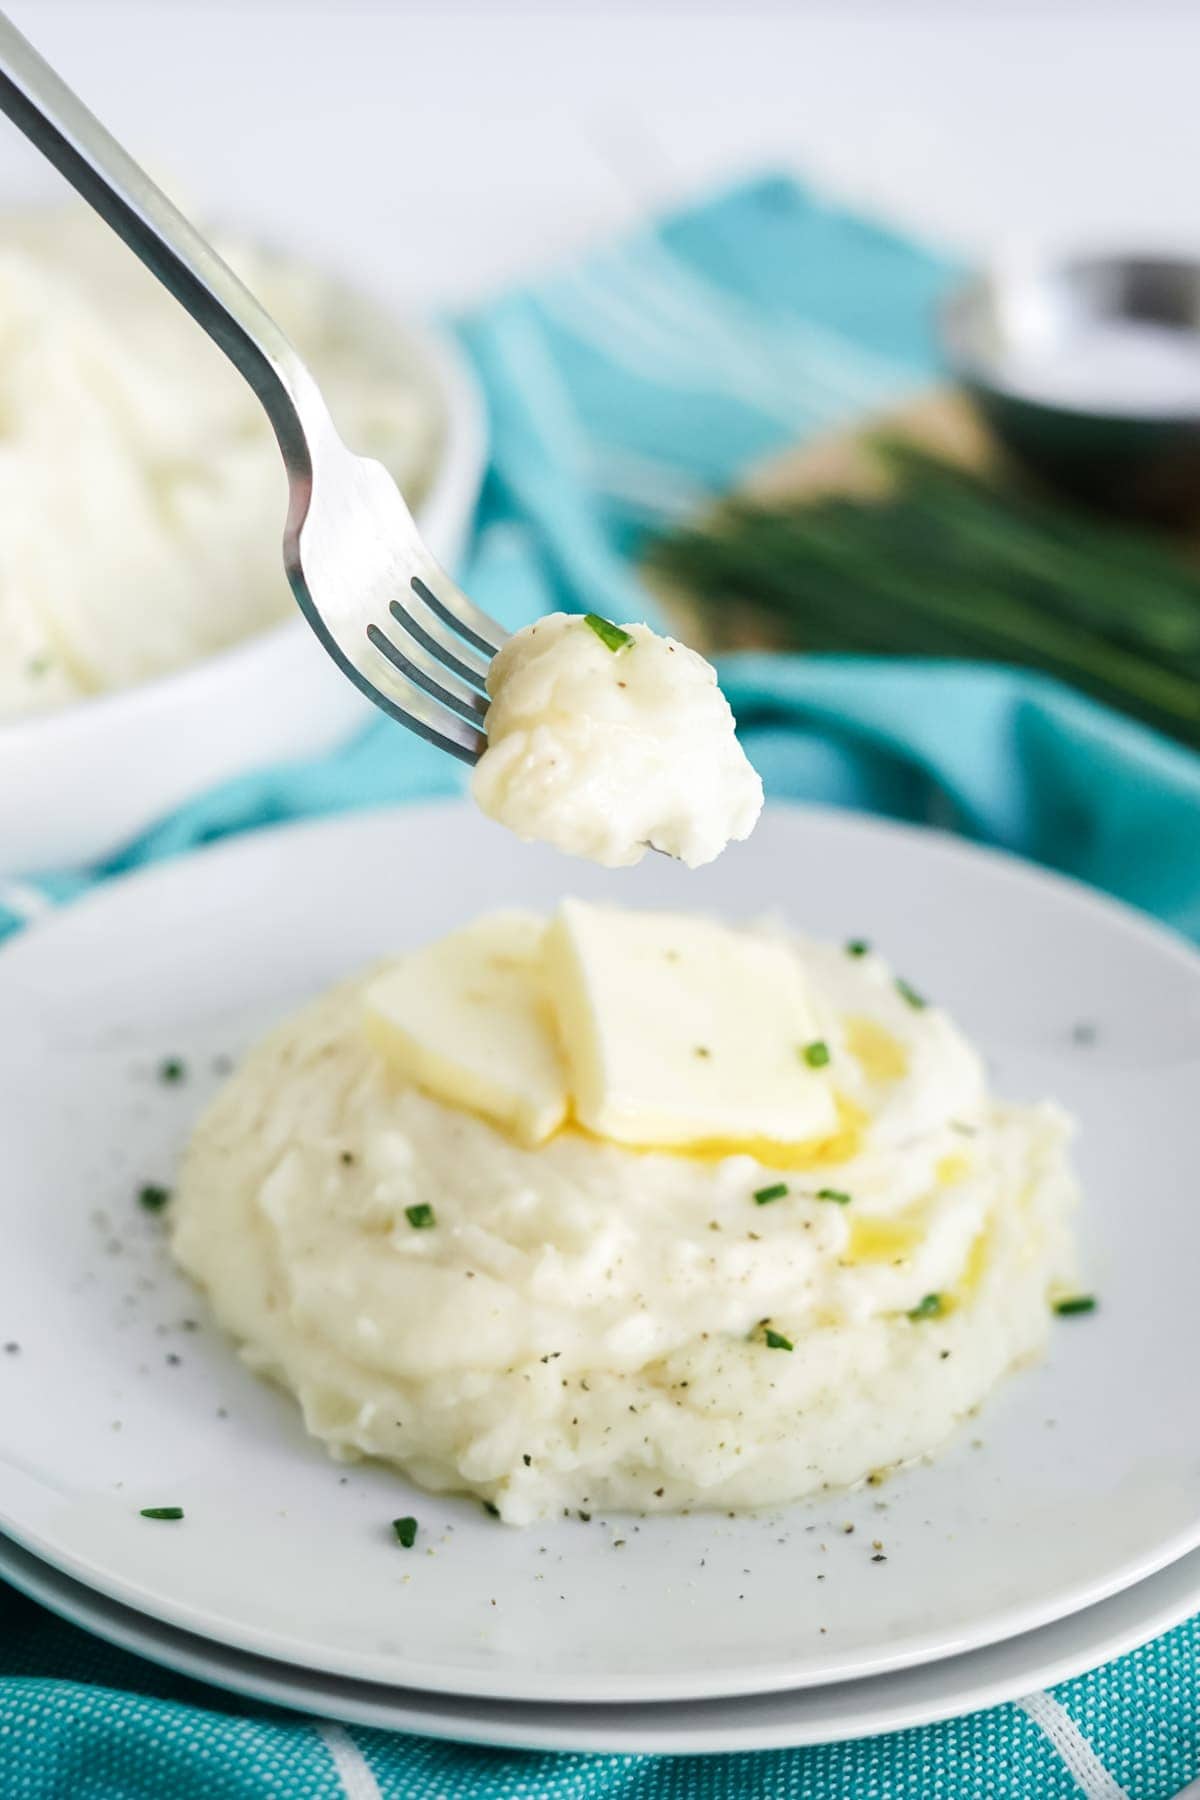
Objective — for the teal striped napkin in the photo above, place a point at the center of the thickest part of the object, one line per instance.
(623, 391)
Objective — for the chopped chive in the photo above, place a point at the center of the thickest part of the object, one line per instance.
(928, 1308)
(858, 947)
(490, 1507)
(837, 1195)
(162, 1512)
(172, 1069)
(776, 1191)
(610, 635)
(406, 1532)
(1075, 1303)
(775, 1340)
(421, 1216)
(816, 1054)
(152, 1197)
(37, 666)
(907, 992)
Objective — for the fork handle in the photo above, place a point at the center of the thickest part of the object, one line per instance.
(58, 123)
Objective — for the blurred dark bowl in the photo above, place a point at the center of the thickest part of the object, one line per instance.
(1004, 334)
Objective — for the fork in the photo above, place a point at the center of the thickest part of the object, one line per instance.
(389, 616)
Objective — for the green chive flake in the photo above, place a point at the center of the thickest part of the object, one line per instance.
(775, 1340)
(172, 1069)
(1072, 1304)
(930, 1307)
(858, 947)
(907, 992)
(816, 1054)
(610, 635)
(776, 1191)
(837, 1195)
(406, 1532)
(152, 1197)
(421, 1217)
(161, 1512)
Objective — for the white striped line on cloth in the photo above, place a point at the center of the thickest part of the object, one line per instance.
(25, 902)
(644, 484)
(648, 310)
(357, 1781)
(655, 351)
(842, 365)
(1064, 1736)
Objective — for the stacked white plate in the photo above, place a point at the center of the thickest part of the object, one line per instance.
(1059, 1530)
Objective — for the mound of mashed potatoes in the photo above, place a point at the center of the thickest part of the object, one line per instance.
(842, 1248)
(142, 492)
(608, 740)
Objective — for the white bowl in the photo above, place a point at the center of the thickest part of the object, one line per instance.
(78, 784)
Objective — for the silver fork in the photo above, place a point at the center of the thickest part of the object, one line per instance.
(389, 616)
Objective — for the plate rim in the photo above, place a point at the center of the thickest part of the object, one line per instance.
(544, 1727)
(245, 841)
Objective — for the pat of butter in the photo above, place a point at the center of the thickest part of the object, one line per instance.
(466, 1019)
(680, 1031)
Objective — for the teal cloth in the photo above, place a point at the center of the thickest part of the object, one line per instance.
(622, 391)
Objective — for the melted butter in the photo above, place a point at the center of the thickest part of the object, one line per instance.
(976, 1263)
(816, 1153)
(951, 1168)
(881, 1056)
(972, 1274)
(885, 1239)
(879, 1240)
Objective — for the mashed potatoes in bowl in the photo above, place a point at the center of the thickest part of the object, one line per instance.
(142, 489)
(628, 1210)
(149, 634)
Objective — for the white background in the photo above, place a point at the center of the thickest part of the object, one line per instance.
(448, 149)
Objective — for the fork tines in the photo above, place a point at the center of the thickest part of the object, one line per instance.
(444, 648)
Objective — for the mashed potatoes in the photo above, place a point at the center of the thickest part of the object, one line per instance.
(141, 490)
(583, 1324)
(608, 740)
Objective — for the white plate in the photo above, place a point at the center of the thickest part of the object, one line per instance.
(945, 1689)
(78, 783)
(1082, 1476)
